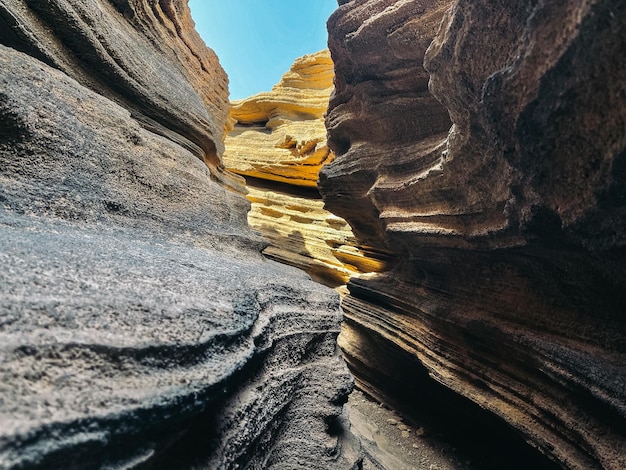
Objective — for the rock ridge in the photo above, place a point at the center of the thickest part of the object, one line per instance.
(286, 125)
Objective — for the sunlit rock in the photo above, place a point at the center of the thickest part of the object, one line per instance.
(302, 233)
(280, 137)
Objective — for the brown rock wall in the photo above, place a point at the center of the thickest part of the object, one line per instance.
(381, 110)
(482, 143)
(549, 119)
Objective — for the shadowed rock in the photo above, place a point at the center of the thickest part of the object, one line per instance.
(139, 325)
(483, 144)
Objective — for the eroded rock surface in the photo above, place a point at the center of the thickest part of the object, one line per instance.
(139, 324)
(483, 143)
(302, 233)
(280, 137)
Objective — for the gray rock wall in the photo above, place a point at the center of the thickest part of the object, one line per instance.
(139, 325)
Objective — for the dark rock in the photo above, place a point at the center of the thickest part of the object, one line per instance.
(139, 325)
(501, 196)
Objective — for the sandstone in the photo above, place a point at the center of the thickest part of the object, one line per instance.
(139, 324)
(302, 234)
(280, 137)
(483, 144)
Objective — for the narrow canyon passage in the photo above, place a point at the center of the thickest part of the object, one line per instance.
(278, 143)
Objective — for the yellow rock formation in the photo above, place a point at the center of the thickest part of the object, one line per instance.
(280, 137)
(303, 234)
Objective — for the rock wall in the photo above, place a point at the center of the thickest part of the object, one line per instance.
(280, 135)
(278, 142)
(483, 143)
(139, 324)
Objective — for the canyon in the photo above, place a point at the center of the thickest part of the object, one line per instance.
(454, 169)
(277, 141)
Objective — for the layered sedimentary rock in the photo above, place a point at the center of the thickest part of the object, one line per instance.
(302, 233)
(280, 137)
(483, 143)
(139, 324)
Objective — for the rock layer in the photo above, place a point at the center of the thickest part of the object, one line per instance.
(278, 142)
(302, 233)
(280, 135)
(145, 56)
(483, 144)
(139, 324)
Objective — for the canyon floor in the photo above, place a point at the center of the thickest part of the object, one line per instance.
(392, 442)
(389, 442)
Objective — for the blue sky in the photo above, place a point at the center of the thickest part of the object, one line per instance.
(257, 40)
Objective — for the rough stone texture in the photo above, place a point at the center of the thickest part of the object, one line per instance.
(280, 137)
(144, 55)
(382, 121)
(139, 324)
(302, 233)
(503, 200)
